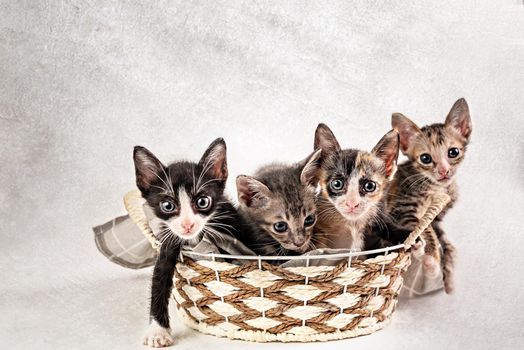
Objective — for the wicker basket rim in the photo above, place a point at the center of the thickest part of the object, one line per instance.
(298, 257)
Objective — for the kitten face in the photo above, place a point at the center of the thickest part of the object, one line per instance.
(183, 195)
(280, 200)
(436, 150)
(354, 181)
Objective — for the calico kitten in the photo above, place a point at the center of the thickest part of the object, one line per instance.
(280, 202)
(434, 153)
(353, 182)
(188, 201)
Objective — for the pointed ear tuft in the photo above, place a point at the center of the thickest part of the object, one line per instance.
(325, 140)
(459, 118)
(252, 193)
(387, 150)
(406, 129)
(214, 160)
(310, 172)
(147, 168)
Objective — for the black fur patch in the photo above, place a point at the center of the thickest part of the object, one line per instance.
(196, 179)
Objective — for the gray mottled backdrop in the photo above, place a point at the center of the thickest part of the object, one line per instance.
(82, 82)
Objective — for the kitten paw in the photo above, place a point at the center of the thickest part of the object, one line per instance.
(431, 267)
(418, 249)
(157, 336)
(449, 285)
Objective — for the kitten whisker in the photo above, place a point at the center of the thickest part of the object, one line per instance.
(221, 227)
(205, 169)
(201, 187)
(168, 187)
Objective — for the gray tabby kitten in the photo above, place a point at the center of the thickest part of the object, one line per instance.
(279, 200)
(434, 153)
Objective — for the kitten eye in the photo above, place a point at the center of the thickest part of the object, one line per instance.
(453, 152)
(370, 186)
(167, 207)
(336, 185)
(309, 220)
(203, 202)
(280, 226)
(425, 158)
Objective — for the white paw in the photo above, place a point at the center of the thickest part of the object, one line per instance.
(431, 267)
(418, 249)
(157, 336)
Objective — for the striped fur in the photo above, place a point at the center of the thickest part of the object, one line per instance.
(279, 193)
(415, 180)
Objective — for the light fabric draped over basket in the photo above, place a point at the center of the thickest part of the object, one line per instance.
(129, 242)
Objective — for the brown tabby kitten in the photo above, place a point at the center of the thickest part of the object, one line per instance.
(279, 201)
(353, 183)
(434, 153)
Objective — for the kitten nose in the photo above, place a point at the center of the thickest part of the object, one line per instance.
(299, 240)
(352, 205)
(188, 226)
(443, 171)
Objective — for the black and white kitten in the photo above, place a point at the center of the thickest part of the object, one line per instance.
(188, 201)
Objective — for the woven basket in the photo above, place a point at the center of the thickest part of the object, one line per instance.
(258, 301)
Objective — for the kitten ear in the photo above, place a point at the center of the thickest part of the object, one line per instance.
(309, 174)
(387, 150)
(147, 168)
(459, 118)
(325, 140)
(214, 160)
(406, 129)
(252, 193)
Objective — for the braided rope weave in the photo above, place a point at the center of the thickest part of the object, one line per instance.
(258, 301)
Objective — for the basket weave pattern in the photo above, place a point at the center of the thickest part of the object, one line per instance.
(299, 301)
(258, 301)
